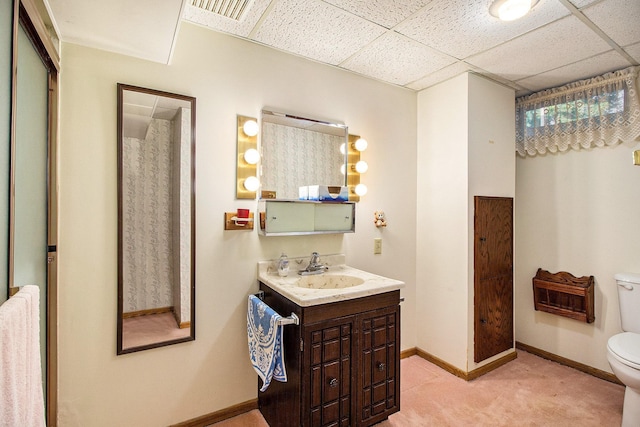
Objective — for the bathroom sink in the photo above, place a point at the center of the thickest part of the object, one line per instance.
(328, 281)
(339, 283)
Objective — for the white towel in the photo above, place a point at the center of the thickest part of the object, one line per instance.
(21, 393)
(264, 333)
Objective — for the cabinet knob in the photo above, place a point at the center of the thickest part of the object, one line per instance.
(381, 367)
(483, 321)
(333, 382)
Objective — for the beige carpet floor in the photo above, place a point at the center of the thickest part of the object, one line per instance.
(529, 391)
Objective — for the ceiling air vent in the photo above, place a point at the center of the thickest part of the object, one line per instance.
(232, 9)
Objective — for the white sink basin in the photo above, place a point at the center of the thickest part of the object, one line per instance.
(329, 281)
(341, 282)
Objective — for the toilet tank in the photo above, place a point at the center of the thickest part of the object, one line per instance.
(629, 298)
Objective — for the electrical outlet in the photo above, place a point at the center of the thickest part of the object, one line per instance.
(377, 245)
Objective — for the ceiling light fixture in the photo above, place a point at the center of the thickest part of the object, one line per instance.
(510, 10)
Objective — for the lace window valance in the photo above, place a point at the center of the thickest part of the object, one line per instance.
(601, 111)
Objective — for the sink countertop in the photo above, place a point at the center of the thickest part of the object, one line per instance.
(304, 297)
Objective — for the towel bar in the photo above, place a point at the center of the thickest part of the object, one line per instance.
(291, 320)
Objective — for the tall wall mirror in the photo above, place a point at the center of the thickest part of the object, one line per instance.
(156, 218)
(298, 151)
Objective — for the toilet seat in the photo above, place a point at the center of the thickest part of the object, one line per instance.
(626, 348)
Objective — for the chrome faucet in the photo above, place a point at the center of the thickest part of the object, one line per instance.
(314, 266)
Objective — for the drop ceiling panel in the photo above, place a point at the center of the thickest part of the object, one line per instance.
(582, 3)
(397, 59)
(597, 65)
(620, 19)
(317, 30)
(412, 43)
(387, 13)
(461, 28)
(542, 50)
(634, 51)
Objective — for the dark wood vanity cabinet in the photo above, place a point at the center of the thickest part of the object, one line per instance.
(342, 362)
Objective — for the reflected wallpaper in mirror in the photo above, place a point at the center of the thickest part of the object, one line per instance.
(298, 152)
(156, 226)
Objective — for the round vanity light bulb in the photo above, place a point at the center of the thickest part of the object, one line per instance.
(361, 144)
(362, 166)
(343, 169)
(343, 148)
(251, 156)
(250, 128)
(361, 189)
(252, 183)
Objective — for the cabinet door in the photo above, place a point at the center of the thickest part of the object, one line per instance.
(379, 388)
(493, 276)
(327, 399)
(334, 217)
(289, 217)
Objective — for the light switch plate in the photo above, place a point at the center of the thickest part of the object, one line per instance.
(377, 245)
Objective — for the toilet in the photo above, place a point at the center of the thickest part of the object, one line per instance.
(623, 350)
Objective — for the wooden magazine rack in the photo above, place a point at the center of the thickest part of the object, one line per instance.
(564, 294)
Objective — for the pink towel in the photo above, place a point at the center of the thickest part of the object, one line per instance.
(21, 393)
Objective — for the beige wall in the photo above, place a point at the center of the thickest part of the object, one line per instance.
(578, 212)
(441, 269)
(465, 148)
(492, 167)
(228, 76)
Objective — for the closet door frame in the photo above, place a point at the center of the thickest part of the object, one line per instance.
(27, 16)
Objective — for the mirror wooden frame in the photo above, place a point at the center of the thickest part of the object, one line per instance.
(191, 101)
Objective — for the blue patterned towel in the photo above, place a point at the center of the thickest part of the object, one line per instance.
(264, 332)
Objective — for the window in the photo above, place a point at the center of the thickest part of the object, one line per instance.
(601, 111)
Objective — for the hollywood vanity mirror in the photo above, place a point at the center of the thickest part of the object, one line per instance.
(300, 156)
(156, 218)
(299, 151)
